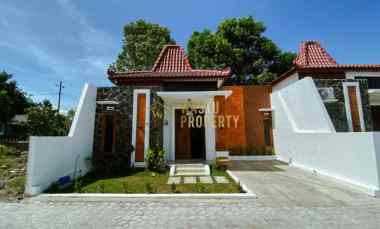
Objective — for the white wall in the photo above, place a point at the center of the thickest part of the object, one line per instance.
(286, 82)
(50, 158)
(303, 136)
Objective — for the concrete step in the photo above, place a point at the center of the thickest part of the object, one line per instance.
(189, 170)
(190, 174)
(189, 165)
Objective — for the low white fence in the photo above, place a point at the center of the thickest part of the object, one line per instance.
(304, 137)
(50, 158)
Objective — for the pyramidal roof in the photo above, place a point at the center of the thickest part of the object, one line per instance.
(172, 59)
(312, 54)
(313, 57)
(171, 63)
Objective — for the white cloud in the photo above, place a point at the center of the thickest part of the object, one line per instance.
(61, 44)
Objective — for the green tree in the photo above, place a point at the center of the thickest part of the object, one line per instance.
(43, 120)
(239, 43)
(12, 100)
(142, 43)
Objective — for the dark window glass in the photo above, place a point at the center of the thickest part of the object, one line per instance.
(373, 82)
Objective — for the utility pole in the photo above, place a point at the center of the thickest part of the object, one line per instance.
(59, 94)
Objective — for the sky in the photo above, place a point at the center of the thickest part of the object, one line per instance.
(45, 41)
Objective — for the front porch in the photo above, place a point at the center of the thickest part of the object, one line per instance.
(190, 137)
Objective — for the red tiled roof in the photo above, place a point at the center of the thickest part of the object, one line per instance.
(311, 53)
(313, 57)
(171, 63)
(172, 59)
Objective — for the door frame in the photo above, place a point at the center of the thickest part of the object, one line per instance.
(136, 93)
(347, 104)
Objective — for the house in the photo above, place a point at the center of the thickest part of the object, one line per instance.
(192, 114)
(354, 88)
(319, 115)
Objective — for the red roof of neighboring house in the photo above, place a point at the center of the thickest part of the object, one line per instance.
(313, 57)
(311, 53)
(171, 63)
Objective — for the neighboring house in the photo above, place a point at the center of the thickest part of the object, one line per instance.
(351, 92)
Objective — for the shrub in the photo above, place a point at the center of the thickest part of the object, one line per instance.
(5, 150)
(155, 160)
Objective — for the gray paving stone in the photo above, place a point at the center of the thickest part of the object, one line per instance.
(189, 180)
(174, 180)
(221, 180)
(206, 180)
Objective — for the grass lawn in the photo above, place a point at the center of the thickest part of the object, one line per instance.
(141, 181)
(12, 172)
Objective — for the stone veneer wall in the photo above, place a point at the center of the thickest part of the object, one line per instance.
(156, 120)
(123, 112)
(337, 110)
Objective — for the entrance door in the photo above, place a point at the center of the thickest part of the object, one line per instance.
(189, 137)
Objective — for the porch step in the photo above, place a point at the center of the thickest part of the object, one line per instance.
(189, 170)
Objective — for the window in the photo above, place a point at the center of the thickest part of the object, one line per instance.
(373, 82)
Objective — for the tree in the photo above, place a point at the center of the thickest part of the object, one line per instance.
(12, 100)
(43, 120)
(239, 44)
(142, 43)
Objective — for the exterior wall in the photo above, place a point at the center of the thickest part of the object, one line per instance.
(304, 137)
(247, 136)
(255, 98)
(123, 114)
(231, 138)
(286, 82)
(50, 158)
(337, 110)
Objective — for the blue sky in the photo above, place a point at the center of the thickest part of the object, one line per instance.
(42, 42)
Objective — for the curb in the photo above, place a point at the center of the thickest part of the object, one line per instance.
(243, 186)
(88, 196)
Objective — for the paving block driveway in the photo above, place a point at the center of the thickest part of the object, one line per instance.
(287, 198)
(279, 185)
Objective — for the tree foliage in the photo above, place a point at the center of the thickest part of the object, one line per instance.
(43, 120)
(239, 43)
(12, 100)
(142, 43)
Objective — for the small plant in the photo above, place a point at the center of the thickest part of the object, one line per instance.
(149, 187)
(201, 188)
(125, 187)
(155, 160)
(173, 188)
(78, 185)
(54, 187)
(102, 188)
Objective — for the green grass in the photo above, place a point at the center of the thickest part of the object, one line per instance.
(139, 181)
(15, 182)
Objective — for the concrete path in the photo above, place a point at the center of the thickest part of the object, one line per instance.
(278, 185)
(287, 198)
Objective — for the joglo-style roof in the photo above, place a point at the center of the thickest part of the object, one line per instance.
(313, 57)
(171, 63)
